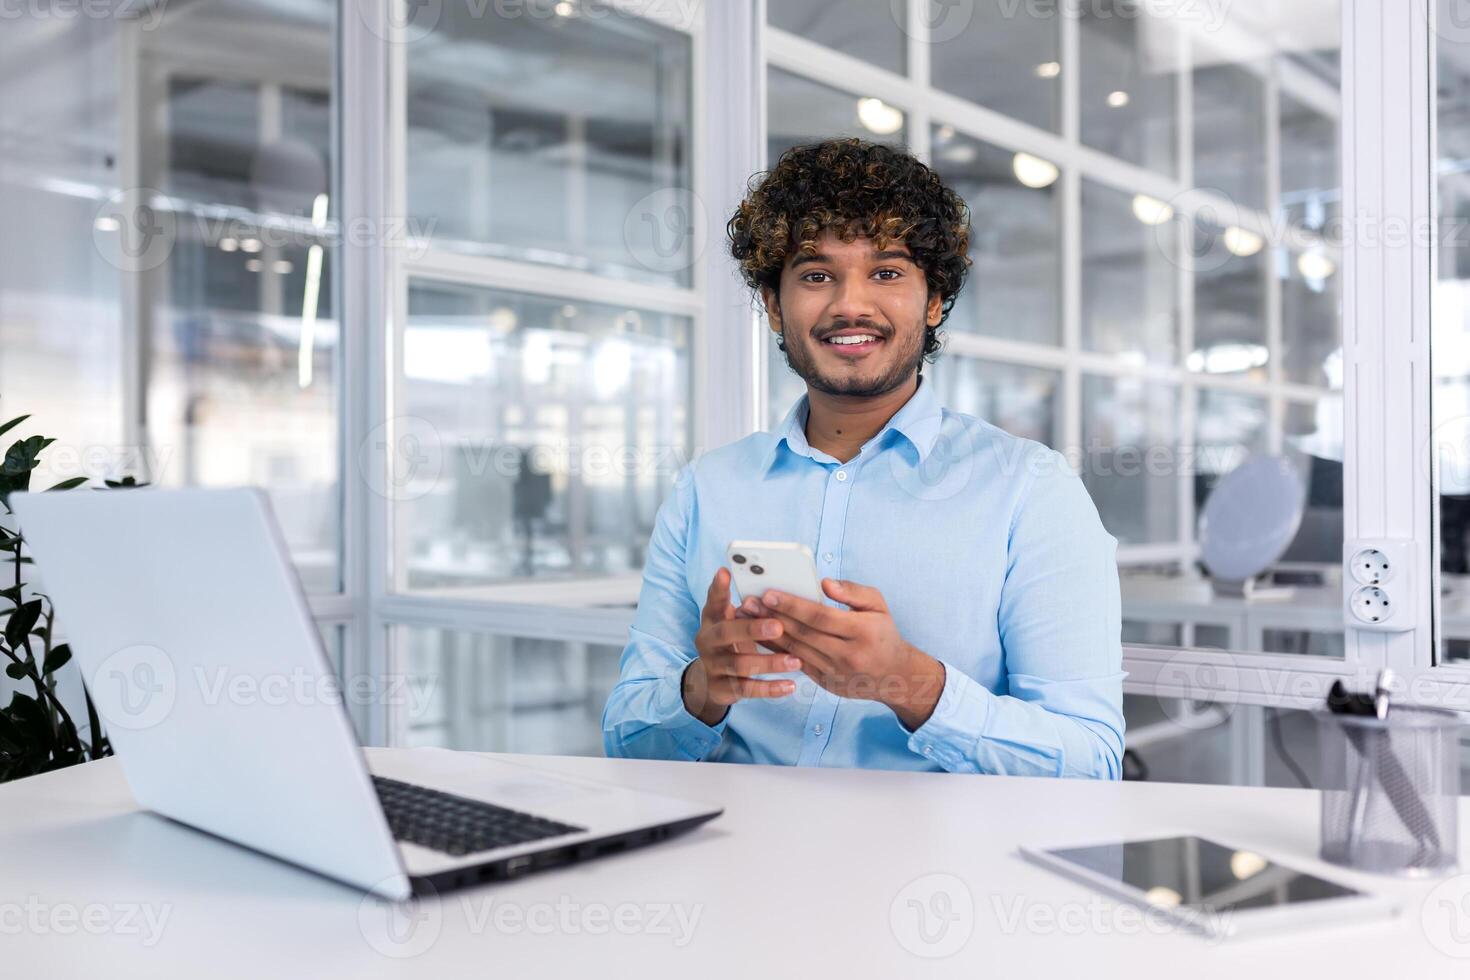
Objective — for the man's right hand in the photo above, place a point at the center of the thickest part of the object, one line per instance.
(724, 672)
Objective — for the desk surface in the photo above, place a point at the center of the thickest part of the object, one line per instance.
(801, 876)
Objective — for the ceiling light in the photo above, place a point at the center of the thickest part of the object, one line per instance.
(1118, 99)
(251, 245)
(879, 117)
(1242, 241)
(253, 265)
(228, 244)
(1162, 896)
(503, 320)
(282, 266)
(1033, 171)
(1315, 265)
(1048, 69)
(1151, 210)
(1246, 864)
(1227, 358)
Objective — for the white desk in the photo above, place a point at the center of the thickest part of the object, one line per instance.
(797, 878)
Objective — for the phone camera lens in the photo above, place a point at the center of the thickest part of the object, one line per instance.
(757, 570)
(738, 559)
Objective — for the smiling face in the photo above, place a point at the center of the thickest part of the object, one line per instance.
(853, 317)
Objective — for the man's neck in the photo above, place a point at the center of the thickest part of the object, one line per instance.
(839, 424)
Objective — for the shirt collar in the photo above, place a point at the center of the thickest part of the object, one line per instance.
(917, 420)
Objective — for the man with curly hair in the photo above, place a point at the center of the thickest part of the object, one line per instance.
(976, 623)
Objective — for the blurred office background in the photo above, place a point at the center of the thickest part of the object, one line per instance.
(1159, 343)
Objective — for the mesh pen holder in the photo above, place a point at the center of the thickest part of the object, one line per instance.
(1390, 790)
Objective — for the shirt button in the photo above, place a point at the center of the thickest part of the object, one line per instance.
(817, 728)
(827, 557)
(929, 751)
(841, 475)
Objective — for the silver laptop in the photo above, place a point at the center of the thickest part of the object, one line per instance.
(197, 645)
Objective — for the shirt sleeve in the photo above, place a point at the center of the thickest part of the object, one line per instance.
(1060, 631)
(645, 717)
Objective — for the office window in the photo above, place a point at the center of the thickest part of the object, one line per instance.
(1450, 345)
(552, 172)
(1181, 740)
(1128, 95)
(1130, 275)
(870, 30)
(1230, 132)
(167, 269)
(800, 110)
(1231, 305)
(1005, 57)
(539, 437)
(1014, 286)
(1130, 457)
(1021, 400)
(1230, 427)
(495, 693)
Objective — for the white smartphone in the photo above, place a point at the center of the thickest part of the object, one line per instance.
(756, 566)
(786, 566)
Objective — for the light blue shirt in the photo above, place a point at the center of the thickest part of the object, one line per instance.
(991, 558)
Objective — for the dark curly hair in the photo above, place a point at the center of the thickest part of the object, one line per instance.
(855, 189)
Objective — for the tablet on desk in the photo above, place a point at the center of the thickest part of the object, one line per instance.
(1209, 887)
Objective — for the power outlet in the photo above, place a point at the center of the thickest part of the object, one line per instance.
(1378, 587)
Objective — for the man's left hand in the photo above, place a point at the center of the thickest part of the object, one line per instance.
(855, 652)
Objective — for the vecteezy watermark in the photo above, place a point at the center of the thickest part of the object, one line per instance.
(942, 20)
(410, 928)
(133, 919)
(945, 20)
(933, 916)
(945, 468)
(1099, 917)
(664, 231)
(147, 13)
(138, 687)
(135, 687)
(407, 21)
(134, 230)
(401, 929)
(1197, 695)
(402, 459)
(104, 462)
(1450, 21)
(1445, 917)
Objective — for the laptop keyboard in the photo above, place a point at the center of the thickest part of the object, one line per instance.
(457, 825)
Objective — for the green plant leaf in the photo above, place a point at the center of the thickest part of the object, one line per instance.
(57, 658)
(33, 722)
(17, 670)
(12, 424)
(22, 618)
(75, 481)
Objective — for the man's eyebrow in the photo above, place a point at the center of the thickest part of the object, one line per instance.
(885, 255)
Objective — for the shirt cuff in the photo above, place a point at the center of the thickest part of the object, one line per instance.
(690, 734)
(950, 735)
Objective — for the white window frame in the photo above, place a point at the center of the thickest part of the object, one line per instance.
(1386, 63)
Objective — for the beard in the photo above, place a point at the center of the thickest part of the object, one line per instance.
(906, 358)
